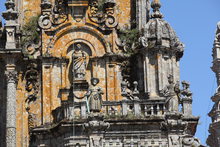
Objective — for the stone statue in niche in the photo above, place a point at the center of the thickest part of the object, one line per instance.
(172, 93)
(94, 96)
(80, 61)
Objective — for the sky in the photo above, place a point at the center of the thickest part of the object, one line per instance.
(195, 23)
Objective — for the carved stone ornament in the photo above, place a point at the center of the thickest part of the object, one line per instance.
(217, 37)
(32, 82)
(157, 32)
(190, 141)
(106, 16)
(52, 15)
(175, 141)
(11, 76)
(59, 14)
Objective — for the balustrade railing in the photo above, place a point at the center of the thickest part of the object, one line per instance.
(111, 109)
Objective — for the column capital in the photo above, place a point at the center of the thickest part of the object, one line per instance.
(11, 76)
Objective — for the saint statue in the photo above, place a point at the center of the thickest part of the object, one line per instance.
(94, 96)
(80, 61)
(172, 92)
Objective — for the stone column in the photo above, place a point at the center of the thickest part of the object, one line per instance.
(11, 108)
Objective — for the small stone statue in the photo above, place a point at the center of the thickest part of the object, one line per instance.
(80, 61)
(95, 96)
(217, 37)
(127, 93)
(172, 92)
(186, 91)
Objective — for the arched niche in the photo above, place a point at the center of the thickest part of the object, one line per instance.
(63, 39)
(79, 68)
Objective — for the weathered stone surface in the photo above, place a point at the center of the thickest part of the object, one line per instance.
(55, 103)
(214, 130)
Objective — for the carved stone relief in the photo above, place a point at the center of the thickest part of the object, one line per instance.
(52, 15)
(105, 16)
(32, 82)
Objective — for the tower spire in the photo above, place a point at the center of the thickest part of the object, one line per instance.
(156, 5)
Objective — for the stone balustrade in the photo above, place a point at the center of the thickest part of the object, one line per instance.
(112, 109)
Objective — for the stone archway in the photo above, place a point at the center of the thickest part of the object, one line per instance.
(79, 54)
(93, 38)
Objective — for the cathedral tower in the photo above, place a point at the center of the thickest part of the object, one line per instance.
(214, 130)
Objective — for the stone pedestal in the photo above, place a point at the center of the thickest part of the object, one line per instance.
(95, 128)
(187, 106)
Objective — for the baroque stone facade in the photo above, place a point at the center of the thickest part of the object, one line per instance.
(92, 73)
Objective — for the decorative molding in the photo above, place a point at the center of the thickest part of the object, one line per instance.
(11, 76)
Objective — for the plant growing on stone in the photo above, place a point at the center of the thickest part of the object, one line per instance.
(101, 4)
(129, 38)
(30, 32)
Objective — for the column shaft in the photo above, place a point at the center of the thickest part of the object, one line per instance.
(11, 109)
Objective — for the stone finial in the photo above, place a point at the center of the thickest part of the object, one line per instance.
(10, 14)
(156, 5)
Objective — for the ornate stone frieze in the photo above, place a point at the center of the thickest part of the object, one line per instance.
(191, 141)
(126, 91)
(10, 14)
